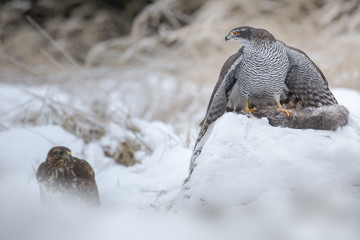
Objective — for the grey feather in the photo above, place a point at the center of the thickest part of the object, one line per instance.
(220, 95)
(306, 81)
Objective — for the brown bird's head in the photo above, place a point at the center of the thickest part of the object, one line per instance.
(58, 153)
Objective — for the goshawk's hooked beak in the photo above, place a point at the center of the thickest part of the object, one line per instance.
(227, 37)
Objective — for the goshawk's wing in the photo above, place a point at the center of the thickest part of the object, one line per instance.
(220, 95)
(305, 84)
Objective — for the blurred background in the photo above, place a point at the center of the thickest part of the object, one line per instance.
(39, 38)
(124, 84)
(110, 61)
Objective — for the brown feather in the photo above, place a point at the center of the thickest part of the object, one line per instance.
(67, 178)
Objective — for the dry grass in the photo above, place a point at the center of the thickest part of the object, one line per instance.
(199, 46)
(91, 125)
(169, 37)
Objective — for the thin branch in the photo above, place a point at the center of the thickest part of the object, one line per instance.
(41, 135)
(51, 59)
(52, 41)
(20, 64)
(16, 107)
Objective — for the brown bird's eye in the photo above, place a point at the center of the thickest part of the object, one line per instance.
(235, 33)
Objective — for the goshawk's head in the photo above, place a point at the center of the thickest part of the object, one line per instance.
(247, 35)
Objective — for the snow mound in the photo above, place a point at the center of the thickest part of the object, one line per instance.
(245, 159)
(277, 183)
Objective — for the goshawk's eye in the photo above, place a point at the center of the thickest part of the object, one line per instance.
(235, 33)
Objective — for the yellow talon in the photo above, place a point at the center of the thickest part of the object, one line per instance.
(247, 109)
(250, 110)
(281, 109)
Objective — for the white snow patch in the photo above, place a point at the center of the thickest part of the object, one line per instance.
(245, 158)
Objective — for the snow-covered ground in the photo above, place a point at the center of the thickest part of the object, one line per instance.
(253, 181)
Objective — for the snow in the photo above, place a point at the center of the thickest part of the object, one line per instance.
(252, 163)
(252, 181)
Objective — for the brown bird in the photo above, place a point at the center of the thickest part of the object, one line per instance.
(63, 179)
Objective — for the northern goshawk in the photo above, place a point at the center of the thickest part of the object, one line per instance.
(265, 71)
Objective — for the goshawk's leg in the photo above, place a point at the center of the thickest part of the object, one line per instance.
(281, 109)
(247, 109)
